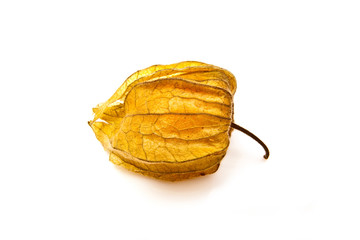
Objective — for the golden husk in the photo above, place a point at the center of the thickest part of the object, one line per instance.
(171, 122)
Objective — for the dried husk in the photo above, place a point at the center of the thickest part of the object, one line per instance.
(170, 122)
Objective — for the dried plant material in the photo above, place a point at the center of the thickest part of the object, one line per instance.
(171, 122)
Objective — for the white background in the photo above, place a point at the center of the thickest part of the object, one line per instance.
(298, 67)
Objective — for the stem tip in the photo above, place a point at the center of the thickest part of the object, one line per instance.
(247, 132)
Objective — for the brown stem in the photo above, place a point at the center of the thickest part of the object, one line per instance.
(241, 129)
